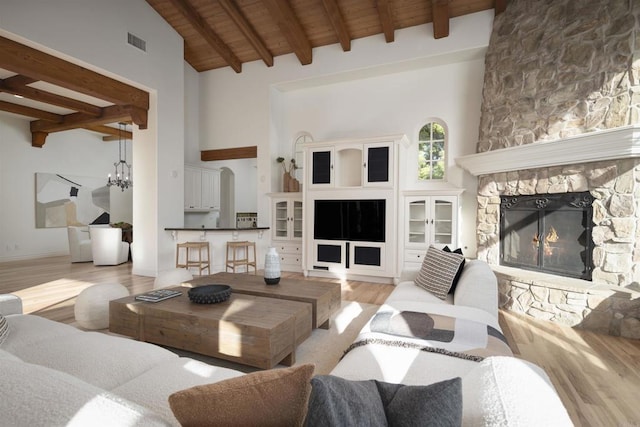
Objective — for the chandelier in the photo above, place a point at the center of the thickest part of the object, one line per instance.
(123, 169)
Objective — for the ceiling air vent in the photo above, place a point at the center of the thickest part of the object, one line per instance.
(137, 42)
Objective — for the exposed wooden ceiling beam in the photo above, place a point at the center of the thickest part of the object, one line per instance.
(386, 19)
(200, 25)
(40, 129)
(282, 13)
(39, 65)
(114, 133)
(339, 26)
(15, 86)
(440, 18)
(30, 112)
(19, 80)
(247, 29)
(501, 6)
(229, 153)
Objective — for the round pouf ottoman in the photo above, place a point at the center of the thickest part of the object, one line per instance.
(92, 305)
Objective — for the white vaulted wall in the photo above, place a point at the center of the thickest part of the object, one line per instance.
(93, 33)
(375, 89)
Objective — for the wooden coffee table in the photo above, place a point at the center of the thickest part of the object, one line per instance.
(325, 297)
(247, 329)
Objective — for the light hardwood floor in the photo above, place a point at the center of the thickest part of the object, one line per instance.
(596, 376)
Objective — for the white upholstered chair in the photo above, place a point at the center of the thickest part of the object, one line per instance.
(107, 246)
(79, 244)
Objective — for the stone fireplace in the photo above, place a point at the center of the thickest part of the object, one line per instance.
(560, 115)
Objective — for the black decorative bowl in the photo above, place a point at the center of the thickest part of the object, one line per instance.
(209, 294)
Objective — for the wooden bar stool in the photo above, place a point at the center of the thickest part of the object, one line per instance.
(240, 249)
(201, 263)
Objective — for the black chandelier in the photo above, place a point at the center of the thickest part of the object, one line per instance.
(123, 169)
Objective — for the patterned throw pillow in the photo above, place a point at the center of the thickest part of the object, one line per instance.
(438, 271)
(4, 328)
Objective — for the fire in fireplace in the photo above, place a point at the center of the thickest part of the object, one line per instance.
(550, 233)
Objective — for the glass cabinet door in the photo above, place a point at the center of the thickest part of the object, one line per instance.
(297, 219)
(281, 219)
(442, 222)
(417, 218)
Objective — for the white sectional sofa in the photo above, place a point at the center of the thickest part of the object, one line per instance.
(500, 390)
(54, 374)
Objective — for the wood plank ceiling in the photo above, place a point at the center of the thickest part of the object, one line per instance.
(60, 95)
(228, 33)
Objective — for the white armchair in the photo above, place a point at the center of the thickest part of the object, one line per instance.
(79, 244)
(107, 246)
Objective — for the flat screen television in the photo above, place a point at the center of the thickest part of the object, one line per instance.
(354, 220)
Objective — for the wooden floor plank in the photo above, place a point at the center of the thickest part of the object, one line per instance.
(596, 376)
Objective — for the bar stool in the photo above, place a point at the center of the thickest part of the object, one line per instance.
(241, 248)
(200, 263)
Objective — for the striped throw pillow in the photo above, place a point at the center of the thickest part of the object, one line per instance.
(4, 328)
(438, 271)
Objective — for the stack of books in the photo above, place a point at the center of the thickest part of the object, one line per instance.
(158, 295)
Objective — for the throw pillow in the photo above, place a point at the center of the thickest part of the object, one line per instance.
(438, 271)
(337, 401)
(270, 398)
(4, 328)
(455, 279)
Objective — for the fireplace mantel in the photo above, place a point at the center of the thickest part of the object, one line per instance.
(619, 143)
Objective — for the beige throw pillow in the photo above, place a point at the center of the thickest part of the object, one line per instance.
(438, 271)
(277, 397)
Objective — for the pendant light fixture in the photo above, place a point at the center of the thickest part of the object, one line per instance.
(122, 177)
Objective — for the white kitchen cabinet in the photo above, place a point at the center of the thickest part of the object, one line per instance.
(201, 189)
(210, 189)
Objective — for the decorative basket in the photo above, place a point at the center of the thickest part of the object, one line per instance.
(209, 294)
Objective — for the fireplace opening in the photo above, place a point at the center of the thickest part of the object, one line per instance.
(550, 233)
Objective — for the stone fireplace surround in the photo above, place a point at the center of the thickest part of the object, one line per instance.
(607, 164)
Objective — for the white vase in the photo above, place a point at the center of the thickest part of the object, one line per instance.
(272, 267)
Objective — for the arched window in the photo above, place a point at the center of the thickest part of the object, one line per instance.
(431, 151)
(298, 140)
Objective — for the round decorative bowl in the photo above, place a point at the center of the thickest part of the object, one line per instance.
(209, 294)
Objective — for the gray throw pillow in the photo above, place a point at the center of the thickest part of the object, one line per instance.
(335, 401)
(436, 405)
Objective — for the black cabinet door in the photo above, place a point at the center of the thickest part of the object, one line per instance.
(321, 167)
(378, 164)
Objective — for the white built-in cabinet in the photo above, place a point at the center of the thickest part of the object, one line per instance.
(351, 170)
(429, 220)
(287, 228)
(352, 165)
(201, 189)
